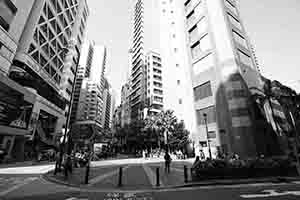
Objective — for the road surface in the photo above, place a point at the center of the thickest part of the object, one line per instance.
(137, 186)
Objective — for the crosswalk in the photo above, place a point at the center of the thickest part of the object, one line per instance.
(41, 169)
(9, 184)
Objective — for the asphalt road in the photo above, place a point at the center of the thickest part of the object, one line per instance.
(33, 187)
(261, 191)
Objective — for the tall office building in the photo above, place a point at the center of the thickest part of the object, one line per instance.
(125, 104)
(84, 71)
(16, 102)
(87, 106)
(108, 102)
(222, 69)
(39, 31)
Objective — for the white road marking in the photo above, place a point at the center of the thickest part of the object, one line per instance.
(270, 193)
(151, 176)
(25, 182)
(104, 176)
(27, 170)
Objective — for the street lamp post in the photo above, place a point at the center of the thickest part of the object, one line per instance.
(207, 135)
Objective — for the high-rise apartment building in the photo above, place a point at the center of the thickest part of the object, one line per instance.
(154, 84)
(88, 105)
(222, 69)
(158, 29)
(38, 33)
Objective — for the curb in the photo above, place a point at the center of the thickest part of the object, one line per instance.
(238, 182)
(50, 179)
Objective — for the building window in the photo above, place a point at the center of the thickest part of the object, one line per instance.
(157, 77)
(157, 84)
(7, 13)
(234, 21)
(245, 58)
(178, 82)
(177, 65)
(210, 113)
(204, 64)
(198, 30)
(157, 91)
(200, 46)
(175, 50)
(158, 99)
(239, 39)
(180, 101)
(157, 107)
(157, 71)
(202, 91)
(230, 6)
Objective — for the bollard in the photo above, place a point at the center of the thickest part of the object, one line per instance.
(87, 174)
(157, 177)
(120, 176)
(185, 174)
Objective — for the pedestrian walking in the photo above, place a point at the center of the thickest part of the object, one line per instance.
(168, 160)
(202, 155)
(57, 162)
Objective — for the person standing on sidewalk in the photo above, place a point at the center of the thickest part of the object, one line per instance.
(168, 160)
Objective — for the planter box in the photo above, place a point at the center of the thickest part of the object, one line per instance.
(240, 173)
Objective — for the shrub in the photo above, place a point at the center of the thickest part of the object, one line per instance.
(262, 167)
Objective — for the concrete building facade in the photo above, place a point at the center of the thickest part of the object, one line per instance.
(222, 69)
(36, 32)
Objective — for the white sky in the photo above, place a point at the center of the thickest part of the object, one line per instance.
(272, 25)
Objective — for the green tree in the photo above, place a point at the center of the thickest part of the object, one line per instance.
(166, 124)
(180, 137)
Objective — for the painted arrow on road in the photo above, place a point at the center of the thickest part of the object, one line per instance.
(270, 193)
